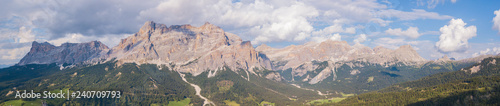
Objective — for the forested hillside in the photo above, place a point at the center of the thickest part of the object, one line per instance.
(475, 85)
(140, 84)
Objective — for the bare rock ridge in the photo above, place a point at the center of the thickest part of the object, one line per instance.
(70, 53)
(339, 51)
(191, 49)
(299, 58)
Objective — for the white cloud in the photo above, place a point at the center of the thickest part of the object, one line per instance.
(12, 56)
(288, 24)
(110, 40)
(432, 3)
(336, 28)
(413, 15)
(394, 43)
(360, 39)
(334, 37)
(493, 51)
(276, 21)
(25, 35)
(496, 20)
(266, 21)
(14, 53)
(411, 32)
(454, 36)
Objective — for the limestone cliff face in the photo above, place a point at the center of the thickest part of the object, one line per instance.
(299, 57)
(339, 51)
(71, 53)
(191, 49)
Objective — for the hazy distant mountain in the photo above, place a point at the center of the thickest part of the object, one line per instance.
(300, 58)
(339, 51)
(70, 53)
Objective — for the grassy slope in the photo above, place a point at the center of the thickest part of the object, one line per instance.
(251, 92)
(371, 77)
(449, 88)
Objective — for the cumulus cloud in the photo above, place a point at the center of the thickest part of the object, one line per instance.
(58, 18)
(336, 28)
(256, 18)
(11, 55)
(265, 20)
(454, 36)
(110, 40)
(333, 37)
(493, 51)
(360, 39)
(496, 20)
(288, 24)
(411, 32)
(15, 42)
(394, 43)
(271, 21)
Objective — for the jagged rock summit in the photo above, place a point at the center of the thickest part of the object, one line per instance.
(300, 58)
(339, 51)
(191, 49)
(70, 53)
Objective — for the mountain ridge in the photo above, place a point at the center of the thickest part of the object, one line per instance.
(191, 49)
(70, 53)
(187, 48)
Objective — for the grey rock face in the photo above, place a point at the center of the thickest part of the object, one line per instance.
(191, 49)
(338, 51)
(300, 57)
(71, 53)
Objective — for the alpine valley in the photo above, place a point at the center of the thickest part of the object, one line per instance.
(188, 65)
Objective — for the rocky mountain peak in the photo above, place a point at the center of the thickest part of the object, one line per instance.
(263, 47)
(300, 57)
(405, 47)
(329, 41)
(406, 53)
(445, 58)
(70, 53)
(246, 44)
(41, 47)
(192, 49)
(151, 26)
(209, 26)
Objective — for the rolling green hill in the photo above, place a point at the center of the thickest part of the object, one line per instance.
(147, 84)
(250, 92)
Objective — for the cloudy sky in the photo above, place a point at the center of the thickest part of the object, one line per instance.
(457, 28)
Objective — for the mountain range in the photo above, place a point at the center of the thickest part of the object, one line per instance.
(225, 68)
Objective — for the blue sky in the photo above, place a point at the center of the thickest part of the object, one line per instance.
(458, 28)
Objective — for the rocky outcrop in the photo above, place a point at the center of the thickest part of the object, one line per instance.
(191, 49)
(300, 57)
(70, 53)
(338, 51)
